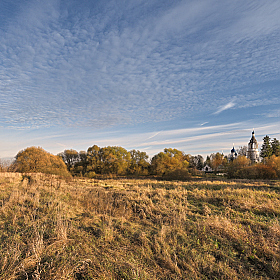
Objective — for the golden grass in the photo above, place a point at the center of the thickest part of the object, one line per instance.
(138, 229)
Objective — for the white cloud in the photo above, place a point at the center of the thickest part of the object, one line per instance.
(256, 19)
(225, 107)
(273, 114)
(204, 123)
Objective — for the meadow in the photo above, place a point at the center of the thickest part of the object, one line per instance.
(53, 228)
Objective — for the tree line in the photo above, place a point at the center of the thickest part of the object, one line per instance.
(169, 164)
(99, 162)
(114, 160)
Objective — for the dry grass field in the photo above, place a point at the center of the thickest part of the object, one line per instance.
(138, 229)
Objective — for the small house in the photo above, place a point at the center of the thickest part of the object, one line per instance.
(207, 169)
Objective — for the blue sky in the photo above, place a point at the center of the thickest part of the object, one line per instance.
(193, 75)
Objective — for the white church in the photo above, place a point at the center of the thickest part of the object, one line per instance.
(252, 150)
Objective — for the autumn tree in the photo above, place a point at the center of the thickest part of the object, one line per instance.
(107, 160)
(274, 163)
(217, 161)
(139, 164)
(168, 160)
(93, 160)
(36, 159)
(114, 160)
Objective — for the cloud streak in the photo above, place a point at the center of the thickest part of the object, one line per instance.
(225, 107)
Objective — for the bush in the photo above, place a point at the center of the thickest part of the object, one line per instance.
(265, 172)
(256, 171)
(177, 174)
(90, 174)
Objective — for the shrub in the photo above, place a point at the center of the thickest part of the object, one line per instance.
(238, 167)
(177, 174)
(265, 172)
(256, 171)
(90, 174)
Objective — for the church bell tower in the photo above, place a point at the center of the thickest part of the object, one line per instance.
(252, 151)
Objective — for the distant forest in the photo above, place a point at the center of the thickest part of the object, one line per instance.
(170, 164)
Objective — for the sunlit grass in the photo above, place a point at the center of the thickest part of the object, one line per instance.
(138, 229)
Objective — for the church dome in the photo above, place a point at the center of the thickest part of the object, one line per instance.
(233, 152)
(253, 139)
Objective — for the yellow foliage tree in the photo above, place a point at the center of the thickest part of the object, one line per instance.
(36, 159)
(168, 161)
(274, 163)
(217, 161)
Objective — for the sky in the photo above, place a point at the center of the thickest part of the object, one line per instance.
(195, 75)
